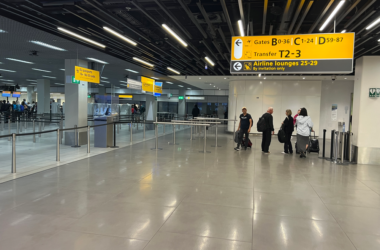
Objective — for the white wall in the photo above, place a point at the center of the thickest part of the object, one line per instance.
(257, 96)
(338, 92)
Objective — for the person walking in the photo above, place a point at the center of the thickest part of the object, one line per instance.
(288, 127)
(195, 111)
(304, 127)
(295, 117)
(244, 128)
(269, 131)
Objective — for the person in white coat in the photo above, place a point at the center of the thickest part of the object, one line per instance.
(304, 127)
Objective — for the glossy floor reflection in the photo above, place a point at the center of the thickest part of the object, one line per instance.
(178, 198)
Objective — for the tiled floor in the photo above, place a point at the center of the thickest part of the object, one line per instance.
(178, 198)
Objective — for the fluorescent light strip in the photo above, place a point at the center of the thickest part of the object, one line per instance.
(104, 77)
(240, 23)
(41, 70)
(59, 83)
(7, 70)
(81, 37)
(169, 82)
(32, 83)
(373, 24)
(62, 69)
(124, 85)
(120, 36)
(155, 78)
(53, 77)
(3, 31)
(209, 60)
(123, 82)
(131, 71)
(30, 80)
(142, 61)
(105, 81)
(180, 86)
(337, 8)
(343, 31)
(96, 60)
(6, 80)
(101, 84)
(16, 60)
(173, 70)
(47, 45)
(259, 75)
(188, 88)
(174, 34)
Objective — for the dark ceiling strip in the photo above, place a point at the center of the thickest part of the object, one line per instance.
(224, 39)
(116, 19)
(174, 19)
(320, 16)
(205, 16)
(177, 49)
(192, 18)
(251, 27)
(227, 16)
(270, 29)
(303, 16)
(209, 49)
(81, 17)
(217, 46)
(33, 4)
(285, 14)
(362, 20)
(359, 13)
(357, 45)
(341, 17)
(296, 16)
(221, 71)
(138, 6)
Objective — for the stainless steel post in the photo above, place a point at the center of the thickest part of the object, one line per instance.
(216, 136)
(18, 127)
(336, 147)
(164, 128)
(191, 132)
(88, 139)
(25, 124)
(342, 134)
(131, 135)
(350, 145)
(173, 134)
(156, 132)
(234, 128)
(75, 136)
(9, 128)
(20, 124)
(60, 133)
(144, 129)
(58, 155)
(39, 127)
(2, 123)
(118, 128)
(13, 153)
(34, 131)
(204, 143)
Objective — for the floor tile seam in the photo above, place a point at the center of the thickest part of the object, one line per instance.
(366, 234)
(219, 205)
(369, 187)
(209, 237)
(345, 205)
(336, 221)
(98, 234)
(294, 217)
(225, 186)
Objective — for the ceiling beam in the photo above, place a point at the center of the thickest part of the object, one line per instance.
(224, 39)
(296, 16)
(264, 16)
(205, 16)
(227, 16)
(303, 16)
(285, 14)
(241, 10)
(341, 17)
(192, 18)
(359, 13)
(362, 20)
(320, 16)
(174, 19)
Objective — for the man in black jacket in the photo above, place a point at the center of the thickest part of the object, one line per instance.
(244, 128)
(267, 134)
(195, 111)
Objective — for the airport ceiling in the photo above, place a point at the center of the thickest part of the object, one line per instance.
(205, 26)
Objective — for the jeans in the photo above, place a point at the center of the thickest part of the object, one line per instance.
(241, 133)
(267, 138)
(288, 144)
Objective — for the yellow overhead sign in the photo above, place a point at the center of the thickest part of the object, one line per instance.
(147, 84)
(324, 53)
(126, 96)
(87, 75)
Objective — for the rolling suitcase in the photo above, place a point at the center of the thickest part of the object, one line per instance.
(313, 144)
(249, 143)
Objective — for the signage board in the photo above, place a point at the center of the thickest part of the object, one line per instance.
(87, 75)
(133, 84)
(73, 80)
(180, 97)
(374, 92)
(195, 97)
(311, 53)
(6, 94)
(157, 88)
(126, 96)
(16, 94)
(89, 96)
(147, 84)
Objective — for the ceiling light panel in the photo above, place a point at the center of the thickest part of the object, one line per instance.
(332, 15)
(53, 77)
(373, 24)
(173, 70)
(241, 29)
(41, 70)
(143, 62)
(120, 36)
(174, 34)
(17, 60)
(96, 60)
(130, 70)
(209, 61)
(7, 70)
(47, 45)
(81, 37)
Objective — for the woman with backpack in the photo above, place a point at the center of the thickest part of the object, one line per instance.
(304, 127)
(288, 127)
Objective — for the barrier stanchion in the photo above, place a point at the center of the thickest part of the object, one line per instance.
(39, 127)
(144, 130)
(88, 139)
(342, 135)
(76, 139)
(323, 144)
(13, 153)
(9, 128)
(216, 137)
(58, 153)
(191, 133)
(17, 127)
(173, 143)
(205, 142)
(34, 131)
(2, 123)
(332, 145)
(336, 147)
(131, 135)
(114, 136)
(156, 133)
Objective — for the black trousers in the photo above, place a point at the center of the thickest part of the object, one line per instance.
(288, 144)
(267, 138)
(241, 134)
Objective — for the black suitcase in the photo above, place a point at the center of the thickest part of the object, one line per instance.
(313, 144)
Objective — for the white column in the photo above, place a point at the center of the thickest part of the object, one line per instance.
(43, 90)
(365, 118)
(75, 103)
(31, 94)
(182, 104)
(151, 108)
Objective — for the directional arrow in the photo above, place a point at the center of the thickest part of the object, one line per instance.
(238, 42)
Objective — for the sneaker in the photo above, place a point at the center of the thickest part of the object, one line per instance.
(267, 152)
(237, 148)
(285, 153)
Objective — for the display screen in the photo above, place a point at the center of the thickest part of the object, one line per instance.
(16, 94)
(6, 94)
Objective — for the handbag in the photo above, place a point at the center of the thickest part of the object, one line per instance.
(281, 135)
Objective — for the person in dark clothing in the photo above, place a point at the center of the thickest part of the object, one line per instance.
(195, 111)
(288, 127)
(267, 134)
(245, 125)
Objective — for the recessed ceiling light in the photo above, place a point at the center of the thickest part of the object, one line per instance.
(303, 77)
(3, 31)
(7, 70)
(225, 77)
(180, 86)
(120, 36)
(81, 37)
(210, 84)
(41, 70)
(62, 69)
(16, 60)
(133, 71)
(200, 77)
(50, 77)
(265, 78)
(155, 78)
(214, 86)
(209, 60)
(174, 34)
(259, 75)
(173, 70)
(96, 60)
(143, 62)
(343, 31)
(345, 78)
(47, 45)
(169, 82)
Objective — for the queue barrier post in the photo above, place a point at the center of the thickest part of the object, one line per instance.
(58, 153)
(205, 141)
(336, 146)
(216, 137)
(332, 145)
(323, 145)
(131, 135)
(88, 139)
(173, 143)
(13, 153)
(9, 128)
(156, 135)
(114, 136)
(39, 127)
(34, 131)
(76, 139)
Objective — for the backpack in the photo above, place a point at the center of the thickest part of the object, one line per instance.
(281, 135)
(21, 108)
(261, 124)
